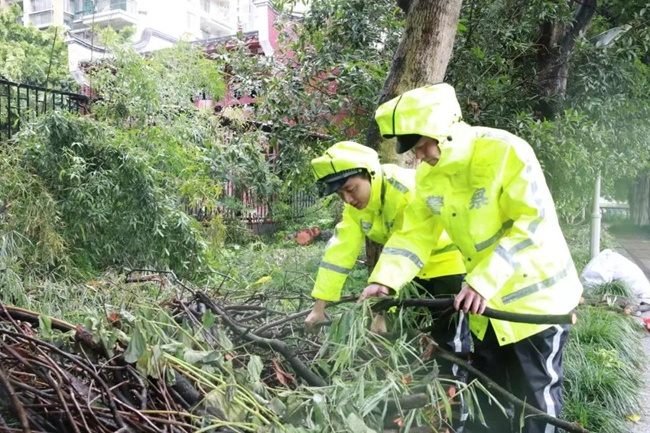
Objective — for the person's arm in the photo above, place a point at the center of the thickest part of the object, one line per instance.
(408, 248)
(340, 256)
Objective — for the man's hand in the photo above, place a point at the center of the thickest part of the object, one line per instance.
(317, 314)
(470, 300)
(373, 290)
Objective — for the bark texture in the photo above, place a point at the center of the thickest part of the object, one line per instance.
(639, 200)
(557, 41)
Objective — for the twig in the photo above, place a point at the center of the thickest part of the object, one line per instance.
(109, 399)
(59, 393)
(15, 313)
(140, 415)
(279, 346)
(488, 383)
(143, 393)
(282, 321)
(76, 404)
(20, 410)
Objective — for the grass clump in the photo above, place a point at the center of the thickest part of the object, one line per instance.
(602, 362)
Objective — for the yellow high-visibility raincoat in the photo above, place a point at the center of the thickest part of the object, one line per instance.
(392, 188)
(489, 193)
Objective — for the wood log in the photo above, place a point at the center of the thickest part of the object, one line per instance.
(444, 304)
(304, 237)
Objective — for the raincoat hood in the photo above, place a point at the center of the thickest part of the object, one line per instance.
(345, 159)
(432, 111)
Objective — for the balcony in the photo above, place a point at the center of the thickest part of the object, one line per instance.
(114, 13)
(42, 19)
(217, 18)
(42, 14)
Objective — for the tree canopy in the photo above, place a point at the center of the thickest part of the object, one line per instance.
(333, 62)
(31, 56)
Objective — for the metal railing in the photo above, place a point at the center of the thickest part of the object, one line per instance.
(89, 7)
(246, 207)
(41, 5)
(24, 102)
(68, 6)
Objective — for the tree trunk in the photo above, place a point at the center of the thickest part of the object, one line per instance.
(421, 58)
(639, 200)
(423, 52)
(557, 41)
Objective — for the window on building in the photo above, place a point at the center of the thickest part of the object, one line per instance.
(41, 5)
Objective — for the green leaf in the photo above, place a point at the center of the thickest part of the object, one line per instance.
(223, 340)
(255, 367)
(356, 424)
(277, 406)
(194, 356)
(208, 319)
(45, 325)
(137, 347)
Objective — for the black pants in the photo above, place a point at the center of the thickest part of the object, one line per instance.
(531, 369)
(451, 331)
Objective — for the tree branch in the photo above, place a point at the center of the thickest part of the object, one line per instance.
(15, 401)
(269, 343)
(581, 18)
(32, 317)
(490, 384)
(443, 304)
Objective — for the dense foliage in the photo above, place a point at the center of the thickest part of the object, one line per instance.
(29, 55)
(340, 54)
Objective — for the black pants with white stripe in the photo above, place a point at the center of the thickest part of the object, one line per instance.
(531, 369)
(451, 331)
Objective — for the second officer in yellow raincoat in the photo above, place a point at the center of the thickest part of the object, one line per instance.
(375, 197)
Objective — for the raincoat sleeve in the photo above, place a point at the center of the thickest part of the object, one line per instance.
(409, 248)
(340, 256)
(526, 202)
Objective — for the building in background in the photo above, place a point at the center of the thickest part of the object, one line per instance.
(44, 13)
(158, 23)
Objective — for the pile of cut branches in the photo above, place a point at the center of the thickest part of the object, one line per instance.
(201, 362)
(72, 385)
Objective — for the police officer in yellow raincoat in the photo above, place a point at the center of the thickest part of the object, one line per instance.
(485, 187)
(375, 197)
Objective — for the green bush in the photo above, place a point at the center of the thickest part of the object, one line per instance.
(82, 196)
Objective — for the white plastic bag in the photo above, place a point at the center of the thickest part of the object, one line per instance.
(611, 266)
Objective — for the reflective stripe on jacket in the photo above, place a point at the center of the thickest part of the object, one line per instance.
(381, 218)
(489, 193)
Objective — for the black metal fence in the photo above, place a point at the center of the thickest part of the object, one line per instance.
(23, 102)
(20, 103)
